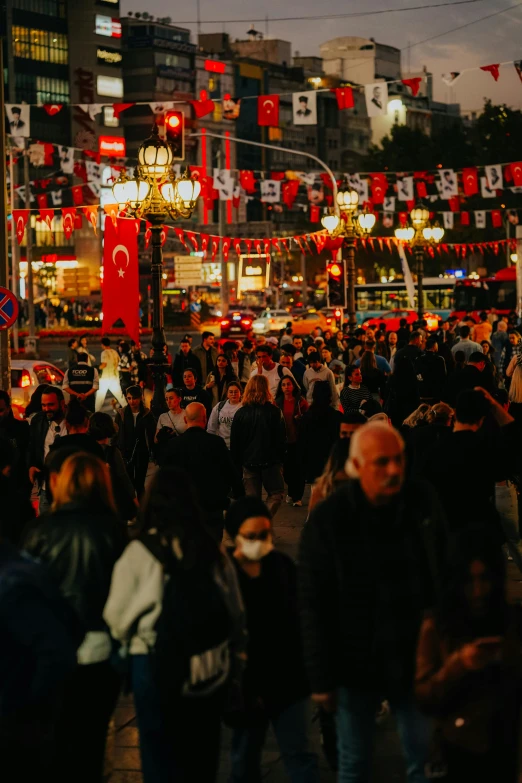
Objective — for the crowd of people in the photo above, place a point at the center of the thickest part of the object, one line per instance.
(137, 552)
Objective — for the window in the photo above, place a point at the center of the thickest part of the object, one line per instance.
(172, 60)
(47, 7)
(41, 89)
(41, 45)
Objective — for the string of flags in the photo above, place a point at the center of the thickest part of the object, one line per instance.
(209, 244)
(304, 103)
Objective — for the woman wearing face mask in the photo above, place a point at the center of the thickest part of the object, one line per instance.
(293, 405)
(275, 687)
(222, 416)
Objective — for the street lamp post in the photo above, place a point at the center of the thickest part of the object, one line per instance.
(420, 235)
(345, 225)
(155, 194)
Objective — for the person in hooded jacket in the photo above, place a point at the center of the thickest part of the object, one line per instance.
(79, 541)
(275, 688)
(137, 428)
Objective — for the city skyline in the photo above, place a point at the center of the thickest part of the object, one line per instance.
(492, 40)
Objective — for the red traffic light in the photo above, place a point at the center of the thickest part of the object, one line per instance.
(335, 270)
(337, 313)
(175, 133)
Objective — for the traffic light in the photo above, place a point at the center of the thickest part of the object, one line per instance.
(336, 278)
(175, 133)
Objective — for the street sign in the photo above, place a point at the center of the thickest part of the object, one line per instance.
(187, 270)
(8, 308)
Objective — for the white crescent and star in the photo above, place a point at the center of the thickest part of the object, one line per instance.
(68, 224)
(20, 227)
(120, 249)
(268, 105)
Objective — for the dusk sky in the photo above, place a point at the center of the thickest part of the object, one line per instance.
(493, 40)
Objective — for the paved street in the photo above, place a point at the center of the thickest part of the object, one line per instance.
(389, 767)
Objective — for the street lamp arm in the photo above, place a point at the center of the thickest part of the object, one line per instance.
(281, 149)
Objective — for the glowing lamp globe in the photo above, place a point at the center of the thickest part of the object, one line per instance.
(367, 221)
(330, 222)
(437, 233)
(188, 190)
(348, 199)
(419, 216)
(154, 155)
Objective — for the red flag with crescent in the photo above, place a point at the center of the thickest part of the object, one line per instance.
(181, 236)
(111, 210)
(237, 246)
(91, 216)
(414, 84)
(214, 246)
(52, 108)
(257, 245)
(204, 106)
(47, 216)
(20, 218)
(225, 246)
(41, 200)
(516, 173)
(464, 218)
(248, 243)
(205, 239)
(190, 235)
(68, 216)
(266, 246)
(496, 218)
(494, 70)
(470, 181)
(120, 276)
(275, 243)
(268, 110)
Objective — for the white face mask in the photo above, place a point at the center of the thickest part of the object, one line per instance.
(254, 550)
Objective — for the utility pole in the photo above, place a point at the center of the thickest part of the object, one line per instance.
(5, 359)
(30, 342)
(221, 223)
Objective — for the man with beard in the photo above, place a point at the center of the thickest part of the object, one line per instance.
(369, 566)
(45, 428)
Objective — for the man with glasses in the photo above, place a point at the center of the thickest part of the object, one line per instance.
(45, 428)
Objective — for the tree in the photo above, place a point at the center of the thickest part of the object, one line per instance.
(403, 150)
(496, 134)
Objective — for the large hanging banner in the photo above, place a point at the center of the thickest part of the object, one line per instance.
(120, 276)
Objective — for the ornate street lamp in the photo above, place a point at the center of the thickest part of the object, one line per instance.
(420, 235)
(344, 224)
(155, 194)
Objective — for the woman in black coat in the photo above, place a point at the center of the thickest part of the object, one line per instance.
(319, 429)
(402, 393)
(137, 427)
(275, 688)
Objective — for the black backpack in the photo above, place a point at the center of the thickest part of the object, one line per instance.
(191, 657)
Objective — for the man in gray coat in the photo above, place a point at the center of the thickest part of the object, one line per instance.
(206, 354)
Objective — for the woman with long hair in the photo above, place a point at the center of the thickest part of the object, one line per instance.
(293, 406)
(79, 542)
(372, 377)
(103, 429)
(469, 667)
(258, 442)
(222, 416)
(334, 472)
(175, 607)
(218, 380)
(318, 431)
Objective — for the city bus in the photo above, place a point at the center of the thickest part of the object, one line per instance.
(374, 299)
(476, 295)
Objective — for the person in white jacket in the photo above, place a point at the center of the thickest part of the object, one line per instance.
(222, 416)
(182, 741)
(317, 371)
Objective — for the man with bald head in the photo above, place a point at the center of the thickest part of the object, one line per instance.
(369, 566)
(208, 465)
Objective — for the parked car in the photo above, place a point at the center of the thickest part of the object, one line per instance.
(26, 375)
(271, 321)
(237, 322)
(304, 324)
(392, 320)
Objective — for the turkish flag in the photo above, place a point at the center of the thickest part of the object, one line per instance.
(20, 218)
(205, 239)
(111, 210)
(268, 110)
(47, 216)
(225, 247)
(120, 276)
(413, 84)
(278, 176)
(52, 108)
(247, 180)
(516, 173)
(237, 246)
(204, 106)
(214, 245)
(77, 194)
(470, 181)
(422, 191)
(454, 203)
(68, 216)
(41, 200)
(91, 215)
(464, 218)
(289, 192)
(117, 108)
(496, 218)
(379, 185)
(191, 236)
(492, 69)
(314, 214)
(344, 97)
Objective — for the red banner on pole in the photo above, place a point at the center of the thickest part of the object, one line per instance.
(120, 276)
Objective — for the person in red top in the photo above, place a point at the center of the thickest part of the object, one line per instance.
(293, 405)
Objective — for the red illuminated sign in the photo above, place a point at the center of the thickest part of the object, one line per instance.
(113, 146)
(214, 66)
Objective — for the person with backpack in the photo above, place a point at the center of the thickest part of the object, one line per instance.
(275, 689)
(222, 416)
(175, 607)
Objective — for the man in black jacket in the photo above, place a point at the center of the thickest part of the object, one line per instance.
(369, 566)
(206, 460)
(17, 432)
(46, 426)
(413, 350)
(82, 381)
(185, 360)
(431, 372)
